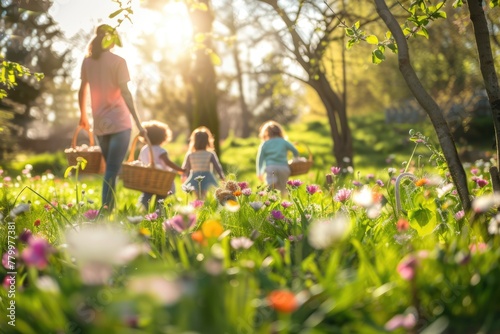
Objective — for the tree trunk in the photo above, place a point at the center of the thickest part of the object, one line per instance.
(202, 77)
(430, 106)
(490, 79)
(337, 118)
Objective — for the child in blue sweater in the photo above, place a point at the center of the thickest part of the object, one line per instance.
(272, 157)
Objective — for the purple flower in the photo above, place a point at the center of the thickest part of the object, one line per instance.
(37, 253)
(312, 189)
(370, 176)
(474, 171)
(241, 243)
(481, 182)
(286, 204)
(357, 183)
(181, 223)
(380, 182)
(25, 235)
(336, 170)
(243, 185)
(277, 214)
(91, 214)
(294, 183)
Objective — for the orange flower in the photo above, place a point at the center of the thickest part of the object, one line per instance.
(237, 193)
(212, 228)
(198, 237)
(421, 182)
(282, 301)
(402, 225)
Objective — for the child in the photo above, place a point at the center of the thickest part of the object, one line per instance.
(200, 161)
(272, 156)
(158, 134)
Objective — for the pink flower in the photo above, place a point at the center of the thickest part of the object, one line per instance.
(286, 204)
(342, 195)
(151, 216)
(406, 321)
(197, 203)
(460, 215)
(91, 214)
(181, 223)
(294, 183)
(246, 191)
(8, 281)
(406, 268)
(478, 247)
(335, 170)
(402, 225)
(37, 253)
(312, 189)
(241, 243)
(474, 171)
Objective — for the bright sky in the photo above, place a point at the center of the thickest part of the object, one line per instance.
(170, 26)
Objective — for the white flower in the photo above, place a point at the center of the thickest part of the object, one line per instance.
(486, 202)
(100, 243)
(444, 190)
(325, 232)
(19, 209)
(241, 243)
(166, 291)
(48, 284)
(494, 225)
(364, 197)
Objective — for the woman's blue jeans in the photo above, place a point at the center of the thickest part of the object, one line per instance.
(114, 148)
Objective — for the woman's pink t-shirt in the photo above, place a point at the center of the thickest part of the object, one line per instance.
(104, 75)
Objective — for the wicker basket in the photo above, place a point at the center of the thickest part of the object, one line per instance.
(147, 179)
(92, 153)
(298, 167)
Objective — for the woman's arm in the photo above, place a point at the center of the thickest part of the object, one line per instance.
(127, 97)
(82, 102)
(169, 163)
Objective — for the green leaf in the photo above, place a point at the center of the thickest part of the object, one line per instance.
(349, 32)
(423, 220)
(356, 25)
(460, 3)
(115, 13)
(423, 32)
(214, 57)
(393, 47)
(372, 39)
(377, 56)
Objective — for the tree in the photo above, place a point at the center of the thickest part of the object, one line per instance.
(307, 46)
(28, 40)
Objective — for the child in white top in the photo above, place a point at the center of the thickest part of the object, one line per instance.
(158, 133)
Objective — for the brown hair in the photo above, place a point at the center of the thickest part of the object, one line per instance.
(271, 129)
(201, 139)
(95, 48)
(158, 132)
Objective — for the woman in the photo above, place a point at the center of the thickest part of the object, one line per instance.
(105, 76)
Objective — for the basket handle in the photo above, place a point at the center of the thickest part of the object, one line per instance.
(132, 150)
(75, 136)
(310, 158)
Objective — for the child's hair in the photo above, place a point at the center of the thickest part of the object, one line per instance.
(201, 139)
(271, 129)
(158, 132)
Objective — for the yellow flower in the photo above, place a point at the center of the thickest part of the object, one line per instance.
(212, 228)
(145, 232)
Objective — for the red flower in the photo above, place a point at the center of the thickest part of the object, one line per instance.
(282, 301)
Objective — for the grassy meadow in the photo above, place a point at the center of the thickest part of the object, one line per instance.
(384, 248)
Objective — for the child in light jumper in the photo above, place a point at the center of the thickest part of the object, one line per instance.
(158, 133)
(272, 156)
(200, 162)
